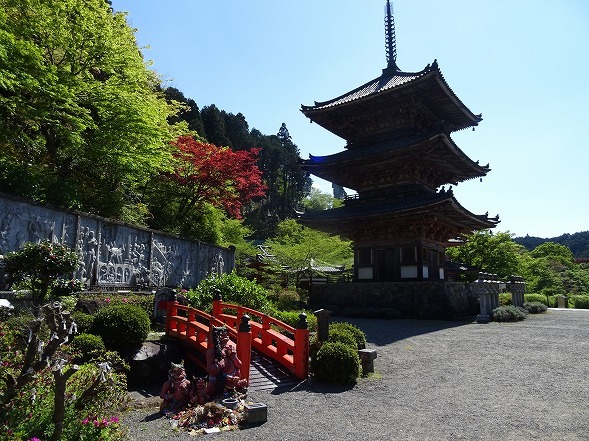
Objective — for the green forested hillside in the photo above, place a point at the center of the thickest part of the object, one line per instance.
(578, 243)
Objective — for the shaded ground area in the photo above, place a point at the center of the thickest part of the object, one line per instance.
(435, 380)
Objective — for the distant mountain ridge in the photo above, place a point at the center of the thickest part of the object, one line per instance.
(578, 243)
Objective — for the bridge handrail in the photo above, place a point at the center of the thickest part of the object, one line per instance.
(291, 352)
(242, 310)
(179, 323)
(193, 326)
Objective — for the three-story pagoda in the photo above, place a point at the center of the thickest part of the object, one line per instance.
(399, 157)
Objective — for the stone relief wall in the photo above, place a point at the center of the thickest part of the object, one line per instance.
(112, 254)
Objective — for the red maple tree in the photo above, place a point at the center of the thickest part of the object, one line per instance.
(216, 175)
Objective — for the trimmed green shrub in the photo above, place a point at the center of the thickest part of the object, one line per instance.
(291, 318)
(535, 307)
(336, 363)
(144, 301)
(89, 345)
(83, 321)
(314, 346)
(509, 314)
(342, 335)
(579, 302)
(357, 333)
(122, 327)
(233, 289)
(536, 298)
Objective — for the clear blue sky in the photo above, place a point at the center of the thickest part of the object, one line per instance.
(523, 64)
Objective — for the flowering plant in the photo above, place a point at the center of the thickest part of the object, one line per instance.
(99, 428)
(64, 286)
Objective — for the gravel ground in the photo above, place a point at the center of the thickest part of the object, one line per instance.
(435, 380)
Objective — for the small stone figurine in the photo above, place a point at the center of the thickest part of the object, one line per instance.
(175, 391)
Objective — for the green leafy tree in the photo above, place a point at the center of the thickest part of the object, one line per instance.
(551, 270)
(40, 265)
(490, 252)
(235, 233)
(79, 109)
(318, 200)
(295, 182)
(298, 247)
(553, 251)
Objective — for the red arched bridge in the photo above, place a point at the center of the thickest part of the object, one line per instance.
(252, 331)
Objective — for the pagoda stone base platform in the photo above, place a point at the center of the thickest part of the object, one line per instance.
(423, 300)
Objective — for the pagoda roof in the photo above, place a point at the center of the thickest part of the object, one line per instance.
(386, 160)
(441, 207)
(388, 105)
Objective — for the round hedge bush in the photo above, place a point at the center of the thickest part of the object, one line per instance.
(83, 321)
(342, 335)
(535, 307)
(122, 327)
(580, 301)
(357, 333)
(336, 363)
(89, 345)
(509, 314)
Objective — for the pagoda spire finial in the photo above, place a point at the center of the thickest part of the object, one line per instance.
(390, 38)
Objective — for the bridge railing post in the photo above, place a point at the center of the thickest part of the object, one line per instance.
(217, 307)
(301, 349)
(244, 346)
(171, 310)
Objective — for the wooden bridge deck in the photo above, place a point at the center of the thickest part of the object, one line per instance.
(266, 374)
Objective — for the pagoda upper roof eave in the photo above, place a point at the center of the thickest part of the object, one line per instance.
(392, 147)
(390, 82)
(329, 166)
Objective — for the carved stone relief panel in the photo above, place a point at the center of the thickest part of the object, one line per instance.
(173, 262)
(112, 254)
(87, 247)
(203, 261)
(123, 256)
(21, 223)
